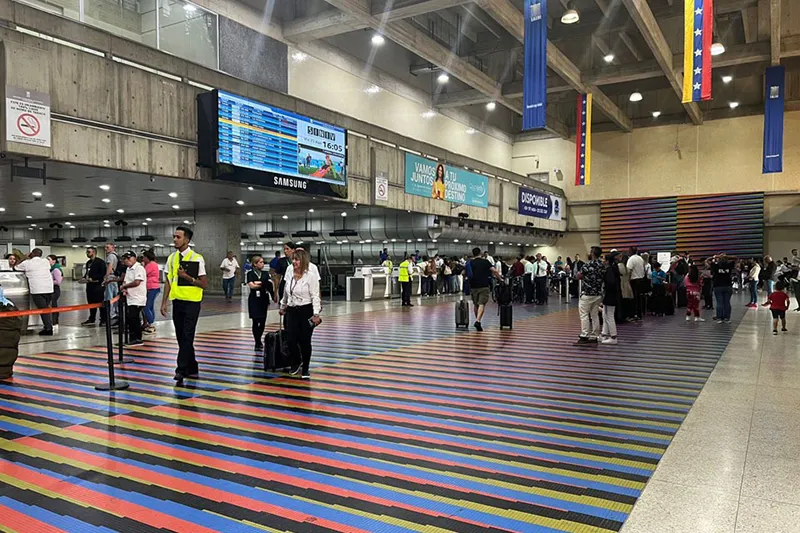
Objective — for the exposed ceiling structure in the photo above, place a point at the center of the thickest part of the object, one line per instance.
(617, 47)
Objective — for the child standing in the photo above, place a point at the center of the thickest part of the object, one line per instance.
(692, 282)
(778, 304)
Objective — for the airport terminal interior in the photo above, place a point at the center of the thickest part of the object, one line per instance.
(384, 266)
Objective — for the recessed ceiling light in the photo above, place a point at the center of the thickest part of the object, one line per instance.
(173, 195)
(409, 240)
(455, 240)
(733, 105)
(469, 241)
(74, 245)
(430, 113)
(394, 240)
(28, 216)
(37, 194)
(2, 209)
(491, 242)
(636, 97)
(299, 57)
(491, 106)
(571, 15)
(250, 189)
(727, 79)
(249, 213)
(378, 40)
(105, 187)
(471, 131)
(338, 242)
(120, 210)
(176, 206)
(240, 202)
(656, 114)
(608, 58)
(281, 242)
(49, 205)
(71, 214)
(501, 244)
(285, 217)
(419, 240)
(149, 219)
(106, 200)
(311, 210)
(433, 240)
(372, 89)
(443, 78)
(717, 49)
(33, 225)
(105, 222)
(106, 225)
(144, 223)
(186, 222)
(259, 243)
(344, 214)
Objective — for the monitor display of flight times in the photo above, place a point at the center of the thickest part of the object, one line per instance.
(260, 144)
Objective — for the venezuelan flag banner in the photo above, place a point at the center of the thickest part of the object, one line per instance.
(583, 141)
(698, 27)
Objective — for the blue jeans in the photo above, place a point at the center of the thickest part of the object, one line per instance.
(723, 297)
(112, 289)
(753, 291)
(770, 287)
(227, 286)
(149, 312)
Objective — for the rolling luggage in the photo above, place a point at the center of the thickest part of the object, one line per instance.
(276, 351)
(506, 316)
(462, 314)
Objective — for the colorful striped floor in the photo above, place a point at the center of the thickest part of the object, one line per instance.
(406, 425)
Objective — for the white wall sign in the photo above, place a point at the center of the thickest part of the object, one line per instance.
(27, 117)
(381, 188)
(663, 258)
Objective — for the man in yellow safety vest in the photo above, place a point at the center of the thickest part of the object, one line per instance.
(404, 277)
(186, 279)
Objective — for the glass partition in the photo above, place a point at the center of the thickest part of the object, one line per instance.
(188, 31)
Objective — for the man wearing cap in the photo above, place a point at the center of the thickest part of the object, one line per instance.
(134, 287)
(186, 280)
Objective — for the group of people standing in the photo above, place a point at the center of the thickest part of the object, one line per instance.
(44, 276)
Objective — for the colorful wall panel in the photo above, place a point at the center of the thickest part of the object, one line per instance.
(701, 225)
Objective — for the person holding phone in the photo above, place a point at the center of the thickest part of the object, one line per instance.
(261, 292)
(301, 307)
(186, 280)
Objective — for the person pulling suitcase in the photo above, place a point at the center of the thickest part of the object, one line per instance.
(482, 271)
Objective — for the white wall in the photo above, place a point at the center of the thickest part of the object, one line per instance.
(340, 91)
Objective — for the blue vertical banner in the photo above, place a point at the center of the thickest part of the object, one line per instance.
(534, 81)
(773, 119)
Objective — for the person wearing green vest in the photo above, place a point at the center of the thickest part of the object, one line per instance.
(186, 279)
(404, 277)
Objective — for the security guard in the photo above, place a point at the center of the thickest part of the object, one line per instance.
(404, 277)
(186, 279)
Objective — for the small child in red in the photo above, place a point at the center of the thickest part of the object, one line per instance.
(778, 304)
(693, 284)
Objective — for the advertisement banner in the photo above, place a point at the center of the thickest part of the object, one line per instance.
(436, 180)
(534, 80)
(773, 120)
(541, 205)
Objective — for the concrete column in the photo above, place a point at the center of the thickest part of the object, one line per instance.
(214, 235)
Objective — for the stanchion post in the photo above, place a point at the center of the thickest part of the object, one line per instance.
(113, 384)
(123, 330)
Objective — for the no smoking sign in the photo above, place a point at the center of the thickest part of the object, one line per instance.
(28, 125)
(27, 117)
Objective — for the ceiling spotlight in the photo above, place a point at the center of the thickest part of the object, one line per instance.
(430, 113)
(49, 205)
(378, 40)
(105, 222)
(455, 240)
(249, 213)
(105, 187)
(656, 114)
(727, 79)
(433, 240)
(173, 195)
(285, 217)
(299, 57)
(144, 223)
(733, 105)
(311, 210)
(608, 58)
(419, 240)
(443, 78)
(3, 210)
(571, 15)
(149, 219)
(71, 214)
(186, 222)
(33, 225)
(259, 243)
(469, 241)
(106, 225)
(338, 242)
(372, 89)
(471, 131)
(250, 189)
(176, 207)
(239, 202)
(37, 194)
(717, 49)
(344, 214)
(189, 8)
(120, 211)
(394, 240)
(636, 97)
(106, 200)
(28, 216)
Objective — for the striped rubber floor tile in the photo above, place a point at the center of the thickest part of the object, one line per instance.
(406, 426)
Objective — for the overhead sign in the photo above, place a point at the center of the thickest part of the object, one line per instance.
(382, 188)
(538, 204)
(534, 80)
(27, 117)
(773, 119)
(436, 180)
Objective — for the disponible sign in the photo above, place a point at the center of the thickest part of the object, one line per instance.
(436, 180)
(27, 117)
(538, 204)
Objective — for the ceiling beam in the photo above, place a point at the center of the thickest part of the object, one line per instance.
(623, 36)
(750, 23)
(511, 18)
(511, 89)
(775, 31)
(332, 22)
(644, 19)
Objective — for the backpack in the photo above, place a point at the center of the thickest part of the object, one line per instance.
(119, 271)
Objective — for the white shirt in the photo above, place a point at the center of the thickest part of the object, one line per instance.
(136, 295)
(37, 270)
(490, 259)
(636, 266)
(796, 260)
(542, 268)
(201, 268)
(290, 271)
(230, 266)
(303, 291)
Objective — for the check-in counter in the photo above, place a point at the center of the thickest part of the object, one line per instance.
(369, 283)
(15, 289)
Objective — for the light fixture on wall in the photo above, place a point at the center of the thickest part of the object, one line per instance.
(443, 78)
(636, 97)
(378, 40)
(571, 15)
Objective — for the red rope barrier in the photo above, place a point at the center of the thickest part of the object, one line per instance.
(51, 310)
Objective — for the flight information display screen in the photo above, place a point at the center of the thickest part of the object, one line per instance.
(294, 149)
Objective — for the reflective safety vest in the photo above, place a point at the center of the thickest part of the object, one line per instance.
(188, 293)
(389, 266)
(403, 274)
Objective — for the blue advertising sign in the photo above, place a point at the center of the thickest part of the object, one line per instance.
(541, 205)
(534, 80)
(436, 180)
(773, 120)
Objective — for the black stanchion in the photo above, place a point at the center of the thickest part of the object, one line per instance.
(123, 330)
(113, 384)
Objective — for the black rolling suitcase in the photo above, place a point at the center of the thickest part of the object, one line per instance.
(506, 316)
(462, 314)
(276, 351)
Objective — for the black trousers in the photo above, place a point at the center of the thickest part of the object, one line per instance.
(405, 292)
(638, 286)
(42, 301)
(134, 323)
(298, 334)
(258, 329)
(54, 302)
(527, 285)
(708, 293)
(541, 289)
(184, 318)
(94, 295)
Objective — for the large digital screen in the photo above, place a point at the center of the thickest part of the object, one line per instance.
(260, 144)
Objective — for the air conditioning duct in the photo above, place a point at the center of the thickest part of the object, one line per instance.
(78, 240)
(344, 233)
(99, 239)
(123, 238)
(270, 235)
(145, 238)
(305, 234)
(56, 240)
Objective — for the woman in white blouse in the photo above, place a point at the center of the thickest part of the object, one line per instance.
(301, 307)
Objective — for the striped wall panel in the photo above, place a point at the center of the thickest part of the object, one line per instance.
(732, 223)
(649, 223)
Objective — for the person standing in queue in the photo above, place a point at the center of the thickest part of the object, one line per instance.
(261, 292)
(93, 278)
(301, 307)
(404, 277)
(40, 283)
(58, 277)
(186, 280)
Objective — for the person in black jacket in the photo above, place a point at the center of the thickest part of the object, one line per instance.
(95, 273)
(612, 296)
